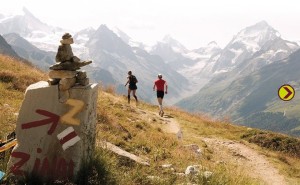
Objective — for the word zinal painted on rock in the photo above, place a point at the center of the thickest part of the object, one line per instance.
(57, 167)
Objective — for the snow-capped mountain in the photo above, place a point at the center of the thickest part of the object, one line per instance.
(247, 42)
(128, 40)
(203, 57)
(25, 24)
(80, 39)
(273, 50)
(189, 63)
(32, 29)
(84, 35)
(235, 74)
(173, 53)
(106, 40)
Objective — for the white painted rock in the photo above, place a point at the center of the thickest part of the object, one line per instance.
(166, 165)
(192, 170)
(207, 174)
(54, 139)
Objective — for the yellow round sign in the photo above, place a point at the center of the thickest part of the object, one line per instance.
(286, 92)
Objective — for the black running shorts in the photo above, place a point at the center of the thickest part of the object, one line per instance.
(132, 87)
(160, 94)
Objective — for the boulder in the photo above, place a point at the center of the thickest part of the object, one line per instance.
(207, 174)
(121, 152)
(54, 139)
(192, 170)
(194, 148)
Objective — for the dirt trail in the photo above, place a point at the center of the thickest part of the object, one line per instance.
(170, 125)
(246, 158)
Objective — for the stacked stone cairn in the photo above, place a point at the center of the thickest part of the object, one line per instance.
(66, 72)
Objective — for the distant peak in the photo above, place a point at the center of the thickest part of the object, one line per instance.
(16, 35)
(121, 34)
(103, 27)
(212, 43)
(27, 12)
(168, 38)
(262, 24)
(261, 30)
(173, 43)
(90, 29)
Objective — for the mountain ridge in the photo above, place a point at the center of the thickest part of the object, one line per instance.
(223, 76)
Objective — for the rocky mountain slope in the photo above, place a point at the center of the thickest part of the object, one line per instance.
(247, 82)
(6, 49)
(39, 58)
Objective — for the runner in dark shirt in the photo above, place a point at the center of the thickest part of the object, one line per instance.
(131, 80)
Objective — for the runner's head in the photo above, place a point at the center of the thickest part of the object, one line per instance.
(159, 76)
(129, 72)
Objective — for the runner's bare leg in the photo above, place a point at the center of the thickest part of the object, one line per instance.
(129, 91)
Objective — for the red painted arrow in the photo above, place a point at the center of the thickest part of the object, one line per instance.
(288, 94)
(52, 118)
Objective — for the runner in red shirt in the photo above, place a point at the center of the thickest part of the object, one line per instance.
(160, 85)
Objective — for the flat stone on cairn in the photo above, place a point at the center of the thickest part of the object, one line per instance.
(68, 65)
(62, 74)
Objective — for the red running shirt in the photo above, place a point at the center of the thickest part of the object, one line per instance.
(160, 84)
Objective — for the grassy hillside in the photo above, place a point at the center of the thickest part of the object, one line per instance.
(15, 77)
(139, 130)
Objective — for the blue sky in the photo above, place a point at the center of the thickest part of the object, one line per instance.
(194, 23)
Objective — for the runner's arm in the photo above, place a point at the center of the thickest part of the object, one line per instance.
(154, 87)
(166, 88)
(127, 81)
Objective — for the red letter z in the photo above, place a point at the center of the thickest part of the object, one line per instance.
(15, 169)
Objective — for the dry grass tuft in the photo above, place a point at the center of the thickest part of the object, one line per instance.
(274, 141)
